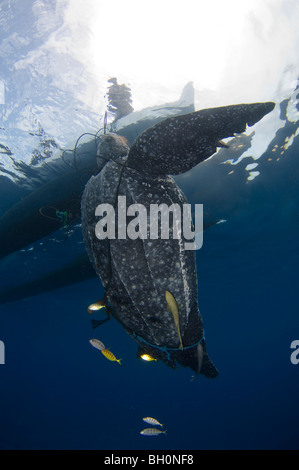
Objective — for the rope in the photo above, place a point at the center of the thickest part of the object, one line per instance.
(74, 150)
(164, 348)
(62, 216)
(105, 122)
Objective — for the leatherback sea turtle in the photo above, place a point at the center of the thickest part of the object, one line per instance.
(142, 277)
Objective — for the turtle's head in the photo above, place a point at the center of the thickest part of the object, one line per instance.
(111, 146)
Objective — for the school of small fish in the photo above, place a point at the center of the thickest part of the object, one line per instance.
(96, 343)
(152, 431)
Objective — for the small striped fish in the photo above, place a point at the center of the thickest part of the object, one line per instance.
(109, 355)
(152, 432)
(96, 343)
(152, 421)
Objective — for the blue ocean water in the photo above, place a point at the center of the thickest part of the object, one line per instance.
(57, 392)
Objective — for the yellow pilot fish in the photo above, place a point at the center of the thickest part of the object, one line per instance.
(172, 306)
(148, 357)
(109, 355)
(97, 306)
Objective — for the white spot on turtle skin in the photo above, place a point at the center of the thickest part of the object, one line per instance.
(252, 175)
(251, 166)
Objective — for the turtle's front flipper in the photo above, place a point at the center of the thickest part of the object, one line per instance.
(179, 143)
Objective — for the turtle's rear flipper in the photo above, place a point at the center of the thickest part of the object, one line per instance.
(96, 323)
(207, 368)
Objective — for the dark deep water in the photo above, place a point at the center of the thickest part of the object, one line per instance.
(59, 393)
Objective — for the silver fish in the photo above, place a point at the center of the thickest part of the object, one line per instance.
(152, 432)
(152, 421)
(96, 343)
